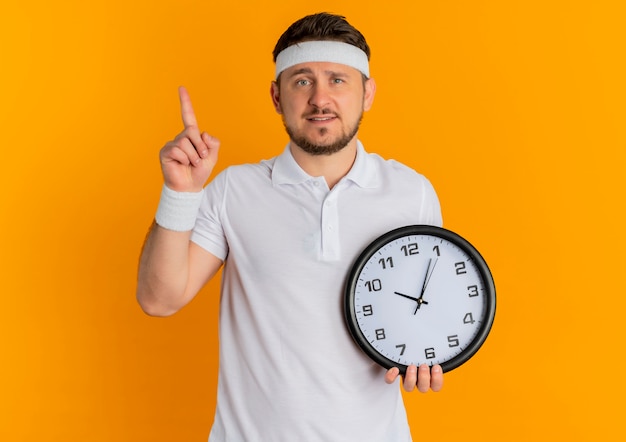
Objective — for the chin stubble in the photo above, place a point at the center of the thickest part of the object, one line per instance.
(323, 149)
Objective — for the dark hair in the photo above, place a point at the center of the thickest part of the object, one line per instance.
(321, 26)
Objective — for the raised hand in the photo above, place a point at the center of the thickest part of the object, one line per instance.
(187, 160)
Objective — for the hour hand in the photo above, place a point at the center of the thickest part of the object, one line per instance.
(407, 296)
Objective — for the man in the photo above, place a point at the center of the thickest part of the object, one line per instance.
(287, 231)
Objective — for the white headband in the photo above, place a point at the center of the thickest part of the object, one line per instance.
(327, 50)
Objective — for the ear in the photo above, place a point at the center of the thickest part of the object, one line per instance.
(370, 91)
(275, 93)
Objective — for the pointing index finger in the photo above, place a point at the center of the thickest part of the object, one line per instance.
(186, 110)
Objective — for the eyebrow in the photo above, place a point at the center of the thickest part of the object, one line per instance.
(310, 71)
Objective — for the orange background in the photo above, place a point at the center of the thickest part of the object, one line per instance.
(515, 110)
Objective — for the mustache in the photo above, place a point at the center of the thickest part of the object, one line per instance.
(320, 112)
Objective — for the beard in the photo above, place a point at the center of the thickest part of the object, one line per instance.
(328, 148)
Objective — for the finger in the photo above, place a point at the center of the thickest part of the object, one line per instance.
(190, 149)
(410, 378)
(191, 124)
(392, 375)
(213, 145)
(436, 378)
(172, 152)
(186, 109)
(423, 378)
(193, 135)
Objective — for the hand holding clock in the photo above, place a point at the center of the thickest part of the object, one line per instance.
(423, 378)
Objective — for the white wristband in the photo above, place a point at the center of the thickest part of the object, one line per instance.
(178, 210)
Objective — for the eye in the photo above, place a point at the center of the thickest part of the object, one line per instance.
(338, 80)
(303, 82)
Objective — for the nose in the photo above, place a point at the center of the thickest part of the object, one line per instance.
(320, 96)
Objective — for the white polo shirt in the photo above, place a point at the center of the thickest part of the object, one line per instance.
(289, 370)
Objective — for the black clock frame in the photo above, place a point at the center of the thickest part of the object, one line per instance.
(418, 229)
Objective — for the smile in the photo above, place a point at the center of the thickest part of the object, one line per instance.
(321, 118)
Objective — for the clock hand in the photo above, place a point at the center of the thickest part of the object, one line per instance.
(425, 279)
(428, 276)
(429, 273)
(413, 298)
(407, 296)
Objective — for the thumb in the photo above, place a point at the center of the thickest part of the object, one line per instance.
(392, 375)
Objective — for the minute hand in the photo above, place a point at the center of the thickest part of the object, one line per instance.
(429, 273)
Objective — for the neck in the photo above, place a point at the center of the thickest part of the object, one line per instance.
(332, 167)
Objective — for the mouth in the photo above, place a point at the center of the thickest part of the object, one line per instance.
(321, 119)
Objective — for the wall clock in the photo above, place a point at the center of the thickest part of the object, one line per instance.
(420, 294)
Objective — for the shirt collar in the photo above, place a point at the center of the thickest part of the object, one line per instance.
(363, 172)
(287, 171)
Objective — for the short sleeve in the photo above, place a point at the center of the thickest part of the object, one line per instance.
(431, 208)
(208, 231)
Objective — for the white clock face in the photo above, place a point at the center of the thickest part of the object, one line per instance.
(421, 298)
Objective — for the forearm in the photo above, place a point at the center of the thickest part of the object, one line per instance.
(162, 284)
